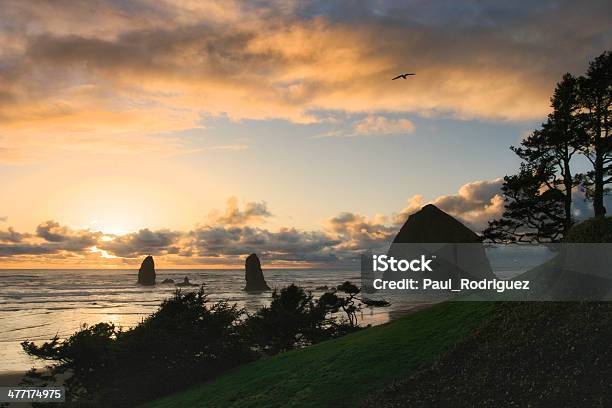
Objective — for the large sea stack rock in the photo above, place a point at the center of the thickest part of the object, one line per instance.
(146, 273)
(458, 251)
(432, 225)
(253, 275)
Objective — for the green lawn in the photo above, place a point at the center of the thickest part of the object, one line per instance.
(343, 371)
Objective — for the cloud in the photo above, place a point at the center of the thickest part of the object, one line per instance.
(229, 147)
(286, 244)
(133, 69)
(50, 238)
(357, 232)
(374, 125)
(7, 250)
(52, 231)
(3, 219)
(11, 235)
(233, 215)
(379, 125)
(63, 238)
(582, 208)
(142, 242)
(475, 203)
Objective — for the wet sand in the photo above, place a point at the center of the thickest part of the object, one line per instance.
(11, 378)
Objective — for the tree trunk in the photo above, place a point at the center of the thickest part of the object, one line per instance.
(568, 182)
(598, 191)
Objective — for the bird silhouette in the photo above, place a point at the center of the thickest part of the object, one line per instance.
(403, 76)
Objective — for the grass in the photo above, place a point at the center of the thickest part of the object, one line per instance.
(539, 354)
(343, 371)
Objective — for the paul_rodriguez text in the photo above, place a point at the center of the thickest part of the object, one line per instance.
(497, 285)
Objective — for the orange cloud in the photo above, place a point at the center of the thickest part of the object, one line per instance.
(475, 203)
(160, 66)
(379, 125)
(253, 212)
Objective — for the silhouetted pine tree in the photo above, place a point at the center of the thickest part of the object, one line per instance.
(539, 198)
(532, 213)
(595, 92)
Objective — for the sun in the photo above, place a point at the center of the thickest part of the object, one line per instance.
(109, 230)
(102, 252)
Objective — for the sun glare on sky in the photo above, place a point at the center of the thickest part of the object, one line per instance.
(109, 229)
(103, 253)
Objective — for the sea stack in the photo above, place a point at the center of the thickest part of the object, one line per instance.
(253, 275)
(458, 251)
(432, 225)
(146, 273)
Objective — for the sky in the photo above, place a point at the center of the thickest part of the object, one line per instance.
(201, 131)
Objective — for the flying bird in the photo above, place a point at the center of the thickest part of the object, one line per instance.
(403, 76)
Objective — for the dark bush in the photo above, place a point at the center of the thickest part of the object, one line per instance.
(598, 229)
(85, 358)
(184, 341)
(294, 319)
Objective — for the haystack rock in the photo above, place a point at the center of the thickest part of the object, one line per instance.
(458, 251)
(146, 273)
(253, 274)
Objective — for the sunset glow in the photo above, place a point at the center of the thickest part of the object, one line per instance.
(200, 131)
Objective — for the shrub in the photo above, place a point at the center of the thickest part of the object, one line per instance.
(598, 229)
(294, 319)
(184, 341)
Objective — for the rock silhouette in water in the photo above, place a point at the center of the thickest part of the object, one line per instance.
(186, 282)
(146, 273)
(254, 275)
(458, 250)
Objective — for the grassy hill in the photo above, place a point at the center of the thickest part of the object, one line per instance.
(452, 354)
(343, 371)
(539, 354)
